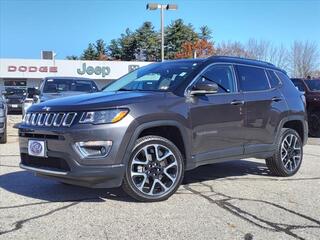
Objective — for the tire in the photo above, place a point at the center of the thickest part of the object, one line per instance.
(3, 139)
(154, 171)
(290, 151)
(314, 124)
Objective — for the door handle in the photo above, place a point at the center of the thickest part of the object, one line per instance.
(276, 99)
(237, 102)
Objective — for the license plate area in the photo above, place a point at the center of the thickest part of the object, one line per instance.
(36, 148)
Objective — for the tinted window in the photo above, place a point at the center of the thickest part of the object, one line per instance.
(299, 85)
(223, 76)
(66, 85)
(252, 79)
(273, 79)
(313, 85)
(154, 77)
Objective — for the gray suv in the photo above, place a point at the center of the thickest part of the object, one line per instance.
(153, 124)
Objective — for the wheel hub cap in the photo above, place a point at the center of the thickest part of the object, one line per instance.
(291, 152)
(154, 169)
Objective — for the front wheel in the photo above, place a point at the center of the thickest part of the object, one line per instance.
(154, 171)
(288, 156)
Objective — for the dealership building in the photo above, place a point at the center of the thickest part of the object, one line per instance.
(24, 73)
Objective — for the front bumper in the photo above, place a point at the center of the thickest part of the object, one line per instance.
(64, 163)
(14, 106)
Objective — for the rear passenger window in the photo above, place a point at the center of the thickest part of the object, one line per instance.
(273, 79)
(252, 79)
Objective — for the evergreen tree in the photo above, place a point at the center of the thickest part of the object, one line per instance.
(101, 51)
(114, 49)
(176, 34)
(90, 53)
(72, 57)
(205, 33)
(148, 43)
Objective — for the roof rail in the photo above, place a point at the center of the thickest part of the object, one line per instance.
(242, 58)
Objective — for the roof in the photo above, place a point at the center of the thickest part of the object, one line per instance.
(243, 61)
(229, 59)
(68, 78)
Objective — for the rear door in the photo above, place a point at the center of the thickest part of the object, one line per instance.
(264, 107)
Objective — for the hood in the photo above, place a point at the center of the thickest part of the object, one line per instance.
(48, 96)
(97, 101)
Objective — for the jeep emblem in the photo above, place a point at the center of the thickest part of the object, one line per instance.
(98, 70)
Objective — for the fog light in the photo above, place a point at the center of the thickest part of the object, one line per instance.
(93, 149)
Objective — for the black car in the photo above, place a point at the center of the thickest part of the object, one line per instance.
(14, 97)
(150, 126)
(311, 89)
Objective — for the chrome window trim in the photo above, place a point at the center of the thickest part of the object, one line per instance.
(236, 75)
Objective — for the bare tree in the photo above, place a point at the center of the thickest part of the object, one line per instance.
(304, 59)
(229, 48)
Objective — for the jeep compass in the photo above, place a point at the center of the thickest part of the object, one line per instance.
(150, 126)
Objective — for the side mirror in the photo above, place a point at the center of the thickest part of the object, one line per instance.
(31, 92)
(203, 88)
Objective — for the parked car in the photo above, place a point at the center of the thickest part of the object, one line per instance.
(57, 87)
(150, 126)
(14, 97)
(3, 120)
(311, 88)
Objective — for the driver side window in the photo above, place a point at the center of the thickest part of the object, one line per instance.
(222, 75)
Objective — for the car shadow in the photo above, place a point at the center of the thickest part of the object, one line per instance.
(26, 184)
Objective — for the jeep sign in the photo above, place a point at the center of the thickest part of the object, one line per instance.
(99, 70)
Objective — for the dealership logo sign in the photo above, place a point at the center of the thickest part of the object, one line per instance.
(99, 70)
(41, 69)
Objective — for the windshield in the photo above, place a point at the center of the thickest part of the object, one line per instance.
(67, 85)
(154, 77)
(313, 85)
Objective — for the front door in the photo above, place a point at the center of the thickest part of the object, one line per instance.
(217, 120)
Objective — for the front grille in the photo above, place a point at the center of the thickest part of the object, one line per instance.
(59, 119)
(14, 101)
(51, 163)
(41, 136)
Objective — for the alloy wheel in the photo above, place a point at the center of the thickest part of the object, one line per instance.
(291, 152)
(154, 170)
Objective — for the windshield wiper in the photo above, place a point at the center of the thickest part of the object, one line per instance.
(124, 89)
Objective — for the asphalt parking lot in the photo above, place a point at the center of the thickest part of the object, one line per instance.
(233, 200)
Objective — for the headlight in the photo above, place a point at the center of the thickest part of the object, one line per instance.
(104, 116)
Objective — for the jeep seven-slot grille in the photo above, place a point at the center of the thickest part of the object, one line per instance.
(49, 119)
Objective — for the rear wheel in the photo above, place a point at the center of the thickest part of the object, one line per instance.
(154, 171)
(314, 124)
(288, 156)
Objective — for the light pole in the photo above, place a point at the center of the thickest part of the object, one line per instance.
(155, 6)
